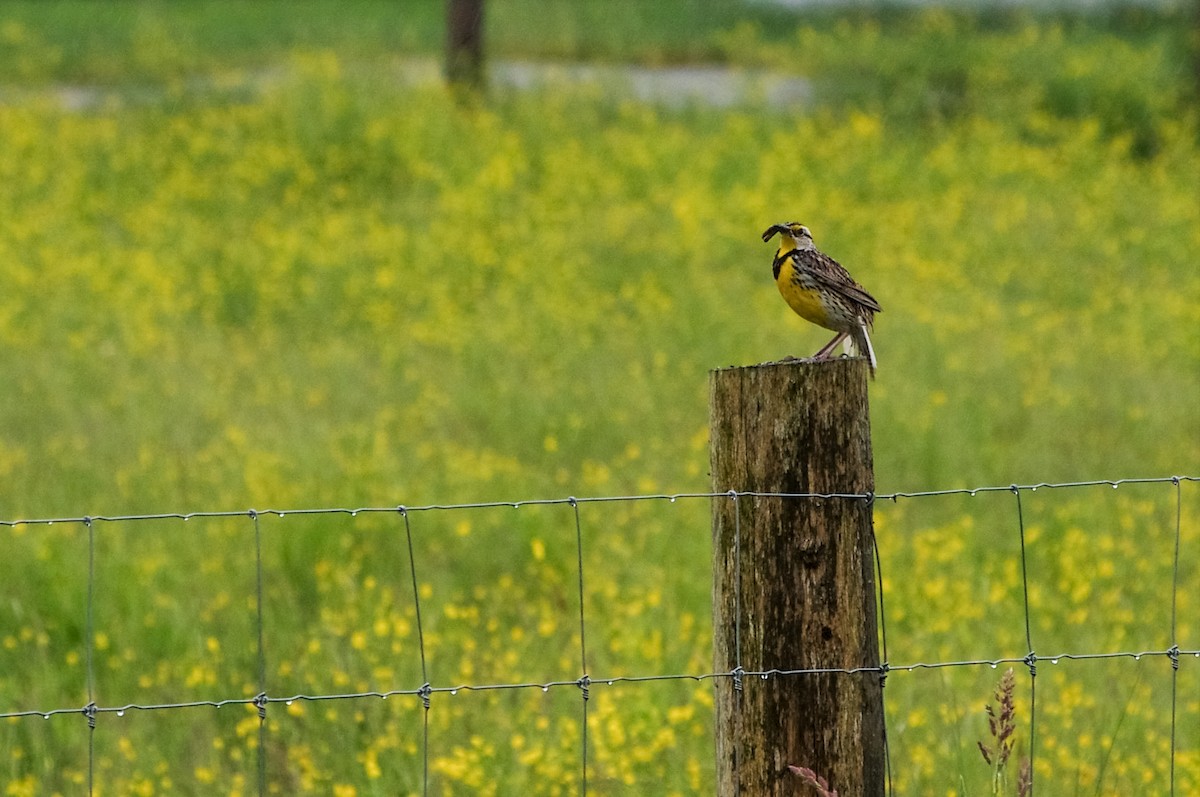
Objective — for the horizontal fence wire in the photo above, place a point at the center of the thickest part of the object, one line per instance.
(585, 682)
(571, 500)
(1171, 654)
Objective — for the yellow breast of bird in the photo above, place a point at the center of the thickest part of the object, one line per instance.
(800, 295)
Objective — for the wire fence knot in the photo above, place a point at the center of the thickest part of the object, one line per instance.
(584, 683)
(884, 669)
(1173, 655)
(425, 691)
(1031, 662)
(260, 702)
(738, 672)
(89, 711)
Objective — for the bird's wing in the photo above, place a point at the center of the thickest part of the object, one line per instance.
(831, 275)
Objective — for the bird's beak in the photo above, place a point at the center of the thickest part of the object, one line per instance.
(769, 233)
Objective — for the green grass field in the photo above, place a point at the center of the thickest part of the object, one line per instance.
(257, 269)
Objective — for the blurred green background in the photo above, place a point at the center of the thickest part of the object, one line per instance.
(257, 255)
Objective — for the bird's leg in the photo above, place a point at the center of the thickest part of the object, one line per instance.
(828, 348)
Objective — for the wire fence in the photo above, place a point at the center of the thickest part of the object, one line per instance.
(583, 682)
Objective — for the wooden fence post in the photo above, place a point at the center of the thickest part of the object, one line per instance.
(793, 580)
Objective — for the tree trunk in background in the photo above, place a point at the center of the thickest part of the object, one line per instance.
(464, 43)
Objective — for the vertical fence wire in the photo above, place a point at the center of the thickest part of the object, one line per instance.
(883, 659)
(584, 680)
(260, 700)
(1174, 649)
(737, 625)
(737, 589)
(89, 624)
(1030, 658)
(426, 689)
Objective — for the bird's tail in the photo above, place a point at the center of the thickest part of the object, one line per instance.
(862, 340)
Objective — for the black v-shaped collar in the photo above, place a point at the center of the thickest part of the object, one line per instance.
(778, 264)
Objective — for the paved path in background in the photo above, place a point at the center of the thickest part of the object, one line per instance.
(676, 87)
(722, 87)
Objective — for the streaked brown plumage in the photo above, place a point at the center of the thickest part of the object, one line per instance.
(821, 291)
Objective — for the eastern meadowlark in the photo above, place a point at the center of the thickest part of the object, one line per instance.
(821, 291)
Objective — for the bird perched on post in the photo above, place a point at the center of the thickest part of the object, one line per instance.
(821, 291)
